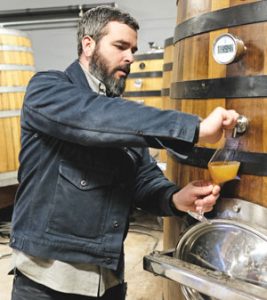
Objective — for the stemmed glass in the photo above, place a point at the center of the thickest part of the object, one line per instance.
(223, 166)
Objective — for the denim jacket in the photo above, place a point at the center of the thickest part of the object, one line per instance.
(84, 165)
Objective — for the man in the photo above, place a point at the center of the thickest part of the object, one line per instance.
(84, 164)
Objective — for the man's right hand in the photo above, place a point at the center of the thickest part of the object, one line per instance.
(212, 127)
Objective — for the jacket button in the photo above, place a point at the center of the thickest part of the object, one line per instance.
(83, 182)
(116, 224)
(108, 260)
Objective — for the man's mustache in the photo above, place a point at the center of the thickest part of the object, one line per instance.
(126, 69)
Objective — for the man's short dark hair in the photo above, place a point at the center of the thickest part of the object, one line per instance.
(94, 21)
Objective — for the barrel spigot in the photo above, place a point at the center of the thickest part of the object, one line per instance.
(241, 126)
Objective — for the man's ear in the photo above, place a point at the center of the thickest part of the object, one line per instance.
(88, 45)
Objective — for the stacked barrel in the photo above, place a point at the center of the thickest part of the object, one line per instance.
(144, 85)
(168, 103)
(16, 69)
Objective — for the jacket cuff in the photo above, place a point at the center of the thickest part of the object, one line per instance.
(169, 208)
(196, 136)
(175, 211)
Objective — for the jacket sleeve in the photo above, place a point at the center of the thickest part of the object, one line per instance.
(57, 107)
(153, 191)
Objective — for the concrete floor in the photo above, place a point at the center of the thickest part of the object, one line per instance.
(145, 235)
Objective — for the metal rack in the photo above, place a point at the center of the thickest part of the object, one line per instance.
(46, 18)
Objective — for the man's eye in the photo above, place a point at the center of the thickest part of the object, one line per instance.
(121, 47)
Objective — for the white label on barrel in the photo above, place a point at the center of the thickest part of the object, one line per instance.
(224, 49)
(138, 83)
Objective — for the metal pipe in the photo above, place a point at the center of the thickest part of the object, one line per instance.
(44, 15)
(47, 24)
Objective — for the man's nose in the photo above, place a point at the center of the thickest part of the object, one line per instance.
(129, 56)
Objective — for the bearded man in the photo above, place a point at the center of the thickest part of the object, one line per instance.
(84, 164)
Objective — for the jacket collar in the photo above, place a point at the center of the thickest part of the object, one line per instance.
(76, 75)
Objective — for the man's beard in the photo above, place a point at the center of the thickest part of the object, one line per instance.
(98, 68)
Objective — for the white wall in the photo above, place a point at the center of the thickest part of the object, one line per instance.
(55, 48)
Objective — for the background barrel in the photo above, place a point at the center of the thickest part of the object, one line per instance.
(167, 102)
(144, 85)
(171, 225)
(167, 74)
(199, 84)
(16, 69)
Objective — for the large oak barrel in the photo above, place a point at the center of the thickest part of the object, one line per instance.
(16, 69)
(200, 84)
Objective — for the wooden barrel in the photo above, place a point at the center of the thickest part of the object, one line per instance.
(200, 84)
(144, 85)
(167, 102)
(16, 69)
(172, 226)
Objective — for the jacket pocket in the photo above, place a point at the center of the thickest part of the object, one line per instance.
(81, 201)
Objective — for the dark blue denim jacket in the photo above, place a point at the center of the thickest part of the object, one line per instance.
(84, 164)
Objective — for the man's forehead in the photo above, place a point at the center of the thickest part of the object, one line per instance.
(122, 33)
(115, 26)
